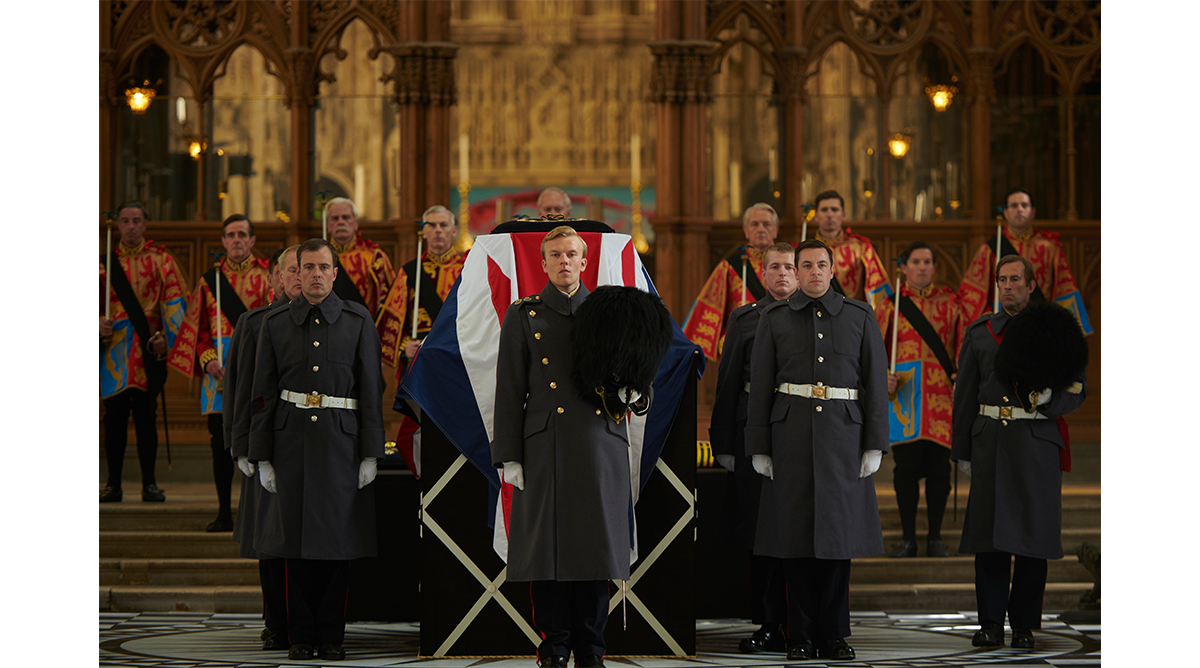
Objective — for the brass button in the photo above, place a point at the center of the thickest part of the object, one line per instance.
(316, 368)
(532, 313)
(1004, 422)
(1005, 399)
(317, 320)
(560, 410)
(820, 358)
(553, 385)
(537, 335)
(597, 411)
(818, 314)
(545, 360)
(316, 344)
(820, 336)
(818, 409)
(314, 418)
(516, 302)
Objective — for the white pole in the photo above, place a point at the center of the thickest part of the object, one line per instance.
(996, 269)
(744, 256)
(108, 277)
(416, 309)
(804, 232)
(220, 359)
(324, 222)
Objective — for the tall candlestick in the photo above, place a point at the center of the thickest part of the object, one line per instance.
(464, 158)
(735, 190)
(895, 325)
(108, 276)
(772, 166)
(635, 158)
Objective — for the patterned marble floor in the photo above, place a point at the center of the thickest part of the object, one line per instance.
(192, 640)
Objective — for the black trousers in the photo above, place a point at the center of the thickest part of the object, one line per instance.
(117, 409)
(316, 601)
(272, 574)
(570, 616)
(916, 460)
(1023, 601)
(768, 591)
(818, 592)
(222, 467)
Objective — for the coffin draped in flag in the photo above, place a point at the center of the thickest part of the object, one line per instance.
(453, 377)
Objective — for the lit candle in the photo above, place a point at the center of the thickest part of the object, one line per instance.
(464, 157)
(772, 166)
(635, 158)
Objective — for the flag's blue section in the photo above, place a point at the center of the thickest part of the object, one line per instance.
(1074, 303)
(904, 411)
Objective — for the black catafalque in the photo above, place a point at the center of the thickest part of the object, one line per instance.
(620, 337)
(1043, 347)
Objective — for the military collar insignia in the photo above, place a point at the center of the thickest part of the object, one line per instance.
(330, 308)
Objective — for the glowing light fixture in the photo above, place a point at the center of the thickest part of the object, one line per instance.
(140, 97)
(898, 144)
(941, 96)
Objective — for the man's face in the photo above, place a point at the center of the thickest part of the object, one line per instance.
(439, 230)
(289, 275)
(237, 241)
(830, 216)
(131, 225)
(1019, 212)
(760, 229)
(779, 274)
(316, 274)
(563, 262)
(554, 203)
(1014, 289)
(918, 269)
(342, 222)
(815, 271)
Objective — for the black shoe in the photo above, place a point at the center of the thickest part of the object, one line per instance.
(589, 661)
(988, 635)
(219, 524)
(553, 662)
(110, 495)
(273, 640)
(768, 638)
(153, 494)
(801, 651)
(1022, 639)
(331, 652)
(837, 650)
(300, 652)
(905, 548)
(936, 548)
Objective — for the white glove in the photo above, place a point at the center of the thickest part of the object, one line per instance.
(514, 474)
(964, 465)
(870, 462)
(366, 471)
(266, 475)
(726, 462)
(1040, 398)
(762, 464)
(246, 466)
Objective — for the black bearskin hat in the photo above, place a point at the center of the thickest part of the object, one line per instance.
(620, 337)
(1043, 347)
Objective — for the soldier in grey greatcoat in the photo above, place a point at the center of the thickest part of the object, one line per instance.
(316, 431)
(239, 365)
(569, 523)
(817, 428)
(743, 485)
(1012, 456)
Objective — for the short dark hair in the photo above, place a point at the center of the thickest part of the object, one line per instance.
(235, 218)
(315, 246)
(275, 259)
(780, 247)
(829, 194)
(1014, 191)
(1009, 259)
(133, 204)
(813, 243)
(908, 250)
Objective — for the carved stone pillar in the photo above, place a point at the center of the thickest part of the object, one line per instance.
(981, 95)
(108, 100)
(302, 90)
(795, 60)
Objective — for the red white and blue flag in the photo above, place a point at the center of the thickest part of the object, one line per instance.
(453, 376)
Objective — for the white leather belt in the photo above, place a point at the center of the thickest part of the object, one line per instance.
(817, 391)
(1010, 413)
(315, 400)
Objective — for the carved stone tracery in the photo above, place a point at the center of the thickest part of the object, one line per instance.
(682, 71)
(423, 72)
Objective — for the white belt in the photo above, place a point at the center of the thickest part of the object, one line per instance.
(315, 400)
(817, 391)
(1010, 413)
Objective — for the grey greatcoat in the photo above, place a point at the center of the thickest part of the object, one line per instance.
(817, 506)
(571, 522)
(235, 398)
(1015, 504)
(332, 349)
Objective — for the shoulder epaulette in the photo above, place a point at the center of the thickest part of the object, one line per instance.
(858, 303)
(980, 320)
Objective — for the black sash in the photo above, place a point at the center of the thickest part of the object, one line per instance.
(156, 369)
(1006, 248)
(345, 288)
(232, 306)
(928, 334)
(753, 285)
(430, 301)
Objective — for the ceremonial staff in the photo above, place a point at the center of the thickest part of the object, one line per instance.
(324, 215)
(995, 270)
(895, 325)
(416, 308)
(744, 256)
(108, 216)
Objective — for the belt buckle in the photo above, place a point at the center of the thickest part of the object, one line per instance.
(818, 392)
(313, 400)
(1006, 412)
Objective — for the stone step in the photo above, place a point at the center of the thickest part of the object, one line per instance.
(179, 572)
(1071, 539)
(167, 545)
(876, 571)
(893, 598)
(146, 517)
